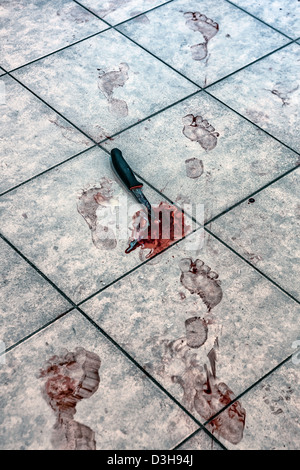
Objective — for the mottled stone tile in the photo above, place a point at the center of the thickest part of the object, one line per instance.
(49, 220)
(204, 48)
(105, 83)
(126, 412)
(284, 16)
(2, 72)
(170, 331)
(33, 29)
(272, 421)
(116, 11)
(33, 137)
(27, 301)
(200, 441)
(233, 161)
(265, 231)
(268, 94)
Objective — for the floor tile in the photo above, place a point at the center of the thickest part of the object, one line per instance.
(114, 84)
(284, 16)
(27, 301)
(165, 323)
(201, 441)
(49, 220)
(2, 72)
(234, 164)
(268, 94)
(204, 48)
(46, 26)
(265, 232)
(272, 421)
(115, 11)
(125, 411)
(41, 138)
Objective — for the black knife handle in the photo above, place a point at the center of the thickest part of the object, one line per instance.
(123, 170)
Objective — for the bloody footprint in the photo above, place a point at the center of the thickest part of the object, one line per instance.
(108, 81)
(200, 130)
(206, 26)
(198, 278)
(92, 202)
(68, 379)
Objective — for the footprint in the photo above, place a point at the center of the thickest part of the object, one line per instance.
(198, 278)
(68, 379)
(199, 130)
(108, 81)
(95, 200)
(196, 332)
(210, 398)
(193, 167)
(207, 27)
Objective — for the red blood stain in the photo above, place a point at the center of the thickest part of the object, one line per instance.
(167, 225)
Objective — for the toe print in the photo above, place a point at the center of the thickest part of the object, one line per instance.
(108, 81)
(198, 22)
(208, 29)
(194, 168)
(198, 278)
(199, 130)
(68, 379)
(94, 203)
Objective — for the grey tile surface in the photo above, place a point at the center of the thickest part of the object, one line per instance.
(41, 138)
(272, 421)
(253, 324)
(268, 94)
(2, 72)
(42, 219)
(242, 160)
(114, 84)
(204, 48)
(126, 412)
(30, 30)
(284, 16)
(27, 300)
(252, 228)
(116, 11)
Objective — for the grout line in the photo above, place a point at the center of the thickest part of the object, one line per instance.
(135, 268)
(252, 265)
(248, 65)
(108, 337)
(114, 27)
(25, 338)
(251, 122)
(213, 219)
(248, 389)
(150, 116)
(58, 50)
(258, 19)
(51, 107)
(46, 171)
(128, 19)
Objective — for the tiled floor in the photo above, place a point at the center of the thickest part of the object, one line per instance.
(202, 97)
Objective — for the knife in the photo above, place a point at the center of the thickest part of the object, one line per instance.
(128, 178)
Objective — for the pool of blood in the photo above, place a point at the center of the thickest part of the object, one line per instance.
(167, 225)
